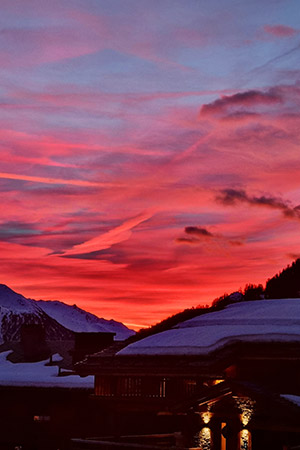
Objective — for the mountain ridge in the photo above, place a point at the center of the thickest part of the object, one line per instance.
(59, 320)
(79, 320)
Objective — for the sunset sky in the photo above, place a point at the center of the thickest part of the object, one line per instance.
(150, 156)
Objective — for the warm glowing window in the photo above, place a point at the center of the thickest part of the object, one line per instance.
(130, 386)
(218, 381)
(162, 388)
(154, 387)
(103, 386)
(41, 418)
(189, 386)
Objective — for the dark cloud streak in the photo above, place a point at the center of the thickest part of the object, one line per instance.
(241, 99)
(232, 197)
(198, 231)
(198, 234)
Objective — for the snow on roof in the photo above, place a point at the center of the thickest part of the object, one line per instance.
(292, 398)
(255, 321)
(39, 375)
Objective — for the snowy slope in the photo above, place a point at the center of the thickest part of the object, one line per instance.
(37, 374)
(16, 310)
(16, 303)
(77, 319)
(256, 321)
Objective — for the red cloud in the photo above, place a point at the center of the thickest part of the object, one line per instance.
(280, 30)
(140, 275)
(114, 236)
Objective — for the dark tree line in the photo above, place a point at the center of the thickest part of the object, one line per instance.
(286, 284)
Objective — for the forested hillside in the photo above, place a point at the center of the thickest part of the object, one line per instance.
(285, 284)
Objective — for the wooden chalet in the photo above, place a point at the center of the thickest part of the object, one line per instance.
(228, 380)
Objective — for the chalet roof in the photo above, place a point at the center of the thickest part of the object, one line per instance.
(260, 321)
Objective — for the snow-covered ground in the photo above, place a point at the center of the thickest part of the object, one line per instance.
(255, 321)
(37, 374)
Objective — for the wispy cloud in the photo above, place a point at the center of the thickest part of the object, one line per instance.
(46, 180)
(114, 236)
(275, 59)
(114, 148)
(281, 31)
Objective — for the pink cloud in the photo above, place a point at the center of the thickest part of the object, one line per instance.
(82, 159)
(114, 236)
(30, 47)
(47, 180)
(170, 166)
(280, 31)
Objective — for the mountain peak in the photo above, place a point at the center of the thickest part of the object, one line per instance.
(79, 320)
(4, 288)
(15, 302)
(69, 317)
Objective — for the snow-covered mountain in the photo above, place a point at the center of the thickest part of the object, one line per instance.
(58, 319)
(76, 319)
(16, 310)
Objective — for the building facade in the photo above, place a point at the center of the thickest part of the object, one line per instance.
(228, 380)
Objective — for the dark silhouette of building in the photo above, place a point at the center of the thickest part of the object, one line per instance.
(38, 413)
(227, 381)
(33, 342)
(88, 343)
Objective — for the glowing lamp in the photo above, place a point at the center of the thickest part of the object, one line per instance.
(206, 416)
(246, 407)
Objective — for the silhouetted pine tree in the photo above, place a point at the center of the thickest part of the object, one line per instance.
(253, 292)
